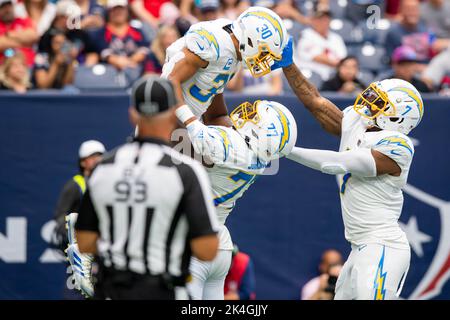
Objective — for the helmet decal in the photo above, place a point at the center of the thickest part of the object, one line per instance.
(413, 95)
(285, 133)
(274, 22)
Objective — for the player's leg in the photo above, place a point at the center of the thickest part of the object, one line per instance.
(81, 263)
(379, 272)
(200, 273)
(214, 285)
(344, 288)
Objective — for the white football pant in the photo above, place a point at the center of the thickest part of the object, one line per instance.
(208, 277)
(373, 272)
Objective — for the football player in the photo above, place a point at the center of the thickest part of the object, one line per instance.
(201, 63)
(261, 132)
(372, 166)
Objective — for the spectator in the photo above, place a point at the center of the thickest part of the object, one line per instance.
(436, 15)
(240, 281)
(14, 74)
(76, 37)
(155, 59)
(287, 9)
(243, 82)
(151, 12)
(346, 77)
(320, 49)
(120, 44)
(91, 14)
(41, 12)
(208, 10)
(231, 9)
(16, 33)
(55, 68)
(405, 66)
(322, 286)
(89, 154)
(412, 32)
(437, 73)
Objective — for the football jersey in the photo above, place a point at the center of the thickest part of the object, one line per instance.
(371, 207)
(212, 43)
(235, 168)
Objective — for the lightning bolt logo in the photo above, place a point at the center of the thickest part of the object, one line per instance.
(272, 20)
(396, 140)
(285, 134)
(209, 37)
(226, 142)
(380, 280)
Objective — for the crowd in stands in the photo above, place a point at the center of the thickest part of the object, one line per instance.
(341, 45)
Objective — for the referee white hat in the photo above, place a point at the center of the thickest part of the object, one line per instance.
(152, 94)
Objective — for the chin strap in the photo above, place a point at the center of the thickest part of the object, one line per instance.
(359, 162)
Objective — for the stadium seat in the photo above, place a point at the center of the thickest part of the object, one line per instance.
(350, 33)
(375, 34)
(338, 8)
(99, 77)
(365, 76)
(371, 57)
(384, 74)
(104, 77)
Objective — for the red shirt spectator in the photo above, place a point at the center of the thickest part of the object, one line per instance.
(152, 6)
(15, 33)
(240, 281)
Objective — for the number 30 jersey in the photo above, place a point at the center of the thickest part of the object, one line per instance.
(234, 168)
(212, 43)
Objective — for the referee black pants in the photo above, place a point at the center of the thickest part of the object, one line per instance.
(127, 285)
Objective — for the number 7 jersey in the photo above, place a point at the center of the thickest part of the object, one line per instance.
(212, 43)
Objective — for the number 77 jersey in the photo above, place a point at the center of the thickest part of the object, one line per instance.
(212, 43)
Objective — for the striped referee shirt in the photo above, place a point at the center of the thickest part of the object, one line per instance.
(147, 202)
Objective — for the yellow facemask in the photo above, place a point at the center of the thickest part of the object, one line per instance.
(245, 112)
(259, 64)
(376, 101)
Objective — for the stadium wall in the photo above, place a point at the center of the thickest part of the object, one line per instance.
(284, 221)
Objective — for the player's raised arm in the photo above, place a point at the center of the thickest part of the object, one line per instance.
(326, 112)
(186, 65)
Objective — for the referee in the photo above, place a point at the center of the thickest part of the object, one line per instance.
(147, 208)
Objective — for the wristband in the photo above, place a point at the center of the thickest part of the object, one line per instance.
(184, 113)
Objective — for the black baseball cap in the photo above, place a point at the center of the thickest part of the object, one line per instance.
(151, 95)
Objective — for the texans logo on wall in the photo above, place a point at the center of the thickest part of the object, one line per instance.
(425, 215)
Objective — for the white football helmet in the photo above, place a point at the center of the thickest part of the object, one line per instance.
(391, 104)
(262, 37)
(268, 127)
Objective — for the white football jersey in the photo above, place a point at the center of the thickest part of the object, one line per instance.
(213, 44)
(371, 207)
(235, 168)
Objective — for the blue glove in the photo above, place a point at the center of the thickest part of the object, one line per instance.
(286, 57)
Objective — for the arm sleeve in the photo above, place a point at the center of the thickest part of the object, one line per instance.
(247, 287)
(359, 162)
(398, 148)
(211, 142)
(203, 44)
(197, 202)
(87, 216)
